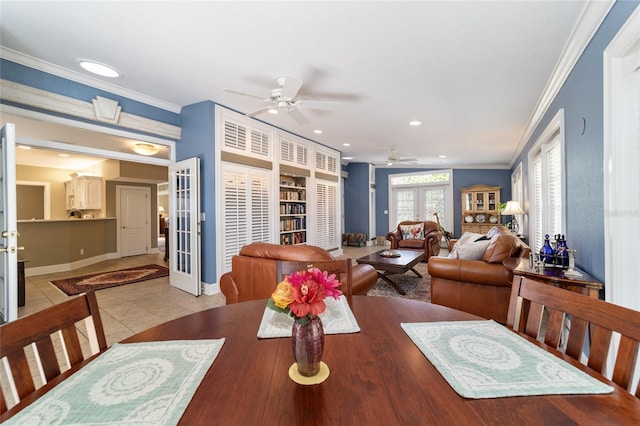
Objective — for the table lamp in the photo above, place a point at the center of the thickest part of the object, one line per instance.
(513, 208)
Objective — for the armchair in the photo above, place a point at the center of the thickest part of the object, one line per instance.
(417, 236)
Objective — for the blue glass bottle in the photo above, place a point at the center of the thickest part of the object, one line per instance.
(562, 255)
(546, 251)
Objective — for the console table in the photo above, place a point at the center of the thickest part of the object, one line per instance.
(586, 284)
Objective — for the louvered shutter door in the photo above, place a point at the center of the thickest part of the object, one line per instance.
(235, 214)
(321, 161)
(235, 135)
(286, 150)
(259, 143)
(321, 239)
(260, 217)
(332, 164)
(302, 155)
(332, 217)
(326, 215)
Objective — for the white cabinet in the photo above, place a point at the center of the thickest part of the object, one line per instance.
(84, 193)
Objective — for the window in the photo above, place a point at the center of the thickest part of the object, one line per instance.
(417, 196)
(546, 168)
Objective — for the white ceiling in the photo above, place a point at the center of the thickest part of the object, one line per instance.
(471, 71)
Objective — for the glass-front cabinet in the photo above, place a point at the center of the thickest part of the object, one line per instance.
(480, 208)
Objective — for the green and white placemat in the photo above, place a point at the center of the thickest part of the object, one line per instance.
(483, 359)
(133, 383)
(336, 319)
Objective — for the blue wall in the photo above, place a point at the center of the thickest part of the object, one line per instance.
(198, 140)
(356, 199)
(462, 178)
(582, 98)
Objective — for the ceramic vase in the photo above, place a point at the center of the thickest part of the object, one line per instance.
(307, 337)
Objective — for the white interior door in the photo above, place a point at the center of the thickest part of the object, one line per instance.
(8, 217)
(184, 225)
(134, 220)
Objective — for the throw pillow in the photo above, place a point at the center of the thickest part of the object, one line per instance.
(461, 251)
(412, 232)
(473, 250)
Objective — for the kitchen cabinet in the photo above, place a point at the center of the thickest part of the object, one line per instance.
(84, 193)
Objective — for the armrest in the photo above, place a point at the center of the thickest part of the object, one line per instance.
(229, 288)
(432, 237)
(469, 271)
(394, 237)
(363, 278)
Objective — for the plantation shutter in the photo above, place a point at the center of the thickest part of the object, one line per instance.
(554, 188)
(537, 204)
(245, 214)
(326, 215)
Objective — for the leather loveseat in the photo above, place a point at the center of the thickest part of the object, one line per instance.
(430, 241)
(481, 287)
(253, 270)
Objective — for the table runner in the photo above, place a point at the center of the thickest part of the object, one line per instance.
(134, 383)
(336, 319)
(483, 359)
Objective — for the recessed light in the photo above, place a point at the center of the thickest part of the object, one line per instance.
(63, 155)
(317, 132)
(347, 158)
(24, 147)
(272, 111)
(346, 144)
(442, 156)
(98, 68)
(415, 123)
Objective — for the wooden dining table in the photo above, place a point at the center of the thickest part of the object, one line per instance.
(377, 376)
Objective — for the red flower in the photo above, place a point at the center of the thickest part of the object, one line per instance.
(310, 288)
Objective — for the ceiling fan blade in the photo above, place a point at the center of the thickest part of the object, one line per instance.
(297, 116)
(302, 103)
(235, 92)
(290, 86)
(259, 111)
(409, 160)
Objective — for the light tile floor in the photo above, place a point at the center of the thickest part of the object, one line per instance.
(129, 309)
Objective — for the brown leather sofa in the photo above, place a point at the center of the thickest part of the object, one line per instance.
(430, 244)
(253, 271)
(481, 287)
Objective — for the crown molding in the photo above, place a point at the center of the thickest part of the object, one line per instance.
(33, 97)
(44, 66)
(588, 23)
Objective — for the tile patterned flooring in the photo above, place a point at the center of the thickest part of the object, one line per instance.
(129, 309)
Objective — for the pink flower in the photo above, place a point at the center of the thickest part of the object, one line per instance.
(309, 289)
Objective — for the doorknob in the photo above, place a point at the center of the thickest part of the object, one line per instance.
(7, 234)
(11, 249)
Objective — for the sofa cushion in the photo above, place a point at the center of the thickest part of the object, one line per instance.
(503, 243)
(470, 246)
(412, 232)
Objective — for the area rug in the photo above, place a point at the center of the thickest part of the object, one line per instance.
(416, 288)
(77, 285)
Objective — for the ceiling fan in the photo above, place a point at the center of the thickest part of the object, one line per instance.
(394, 159)
(283, 98)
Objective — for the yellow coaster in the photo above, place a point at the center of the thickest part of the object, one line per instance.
(309, 380)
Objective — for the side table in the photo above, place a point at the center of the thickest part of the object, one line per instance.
(586, 284)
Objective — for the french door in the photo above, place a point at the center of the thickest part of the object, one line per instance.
(8, 219)
(420, 203)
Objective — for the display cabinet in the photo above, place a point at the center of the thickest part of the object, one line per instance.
(480, 208)
(293, 210)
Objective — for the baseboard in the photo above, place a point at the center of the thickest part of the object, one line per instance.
(210, 289)
(64, 267)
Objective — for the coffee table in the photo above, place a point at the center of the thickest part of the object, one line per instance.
(394, 265)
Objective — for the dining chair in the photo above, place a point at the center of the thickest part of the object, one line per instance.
(587, 317)
(37, 331)
(340, 267)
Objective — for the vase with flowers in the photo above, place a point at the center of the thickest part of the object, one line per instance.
(302, 295)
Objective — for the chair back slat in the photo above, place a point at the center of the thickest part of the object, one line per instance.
(591, 324)
(341, 267)
(553, 333)
(35, 331)
(47, 357)
(599, 348)
(577, 336)
(627, 355)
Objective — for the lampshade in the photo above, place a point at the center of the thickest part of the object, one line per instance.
(145, 148)
(161, 209)
(513, 207)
